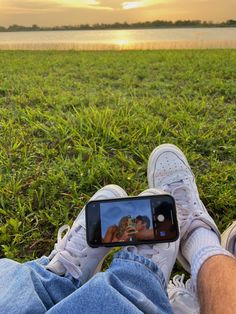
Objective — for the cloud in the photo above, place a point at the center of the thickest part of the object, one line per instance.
(89, 4)
(58, 12)
(45, 5)
(28, 4)
(115, 4)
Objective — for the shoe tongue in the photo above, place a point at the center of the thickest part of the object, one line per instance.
(78, 239)
(184, 198)
(178, 189)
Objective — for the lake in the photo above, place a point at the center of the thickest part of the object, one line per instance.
(187, 38)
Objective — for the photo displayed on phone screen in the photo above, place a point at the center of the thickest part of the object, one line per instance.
(135, 225)
(133, 220)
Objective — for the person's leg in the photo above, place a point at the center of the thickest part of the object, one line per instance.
(134, 283)
(34, 287)
(169, 170)
(30, 288)
(183, 296)
(221, 266)
(217, 295)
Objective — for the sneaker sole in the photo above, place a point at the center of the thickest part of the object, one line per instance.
(227, 235)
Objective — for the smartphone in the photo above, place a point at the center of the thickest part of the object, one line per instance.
(131, 221)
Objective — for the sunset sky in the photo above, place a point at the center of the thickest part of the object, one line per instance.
(71, 12)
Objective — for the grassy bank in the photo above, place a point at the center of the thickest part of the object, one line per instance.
(72, 122)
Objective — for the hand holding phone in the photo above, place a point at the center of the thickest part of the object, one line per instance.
(132, 224)
(128, 233)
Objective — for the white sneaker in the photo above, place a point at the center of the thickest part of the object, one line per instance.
(163, 254)
(71, 254)
(182, 296)
(168, 169)
(228, 238)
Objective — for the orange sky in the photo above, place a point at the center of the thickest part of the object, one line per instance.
(71, 12)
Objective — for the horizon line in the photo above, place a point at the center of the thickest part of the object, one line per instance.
(197, 21)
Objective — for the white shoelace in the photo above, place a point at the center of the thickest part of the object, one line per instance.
(183, 296)
(189, 207)
(177, 285)
(148, 251)
(144, 250)
(70, 249)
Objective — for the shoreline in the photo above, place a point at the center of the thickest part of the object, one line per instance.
(115, 29)
(162, 45)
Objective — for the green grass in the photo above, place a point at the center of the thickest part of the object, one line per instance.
(72, 122)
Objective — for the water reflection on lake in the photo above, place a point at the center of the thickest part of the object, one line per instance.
(187, 38)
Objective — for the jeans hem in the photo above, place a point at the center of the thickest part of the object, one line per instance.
(146, 262)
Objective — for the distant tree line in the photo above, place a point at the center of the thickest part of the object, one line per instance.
(138, 25)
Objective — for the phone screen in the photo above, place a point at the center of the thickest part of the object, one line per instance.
(132, 220)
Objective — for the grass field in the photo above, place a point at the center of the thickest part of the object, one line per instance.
(71, 122)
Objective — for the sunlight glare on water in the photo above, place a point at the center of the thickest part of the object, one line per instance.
(121, 42)
(122, 38)
(145, 39)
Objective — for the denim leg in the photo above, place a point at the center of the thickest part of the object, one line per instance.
(30, 288)
(132, 284)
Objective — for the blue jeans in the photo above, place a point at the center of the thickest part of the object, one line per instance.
(132, 284)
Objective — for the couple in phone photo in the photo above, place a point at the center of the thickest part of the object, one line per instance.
(129, 229)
